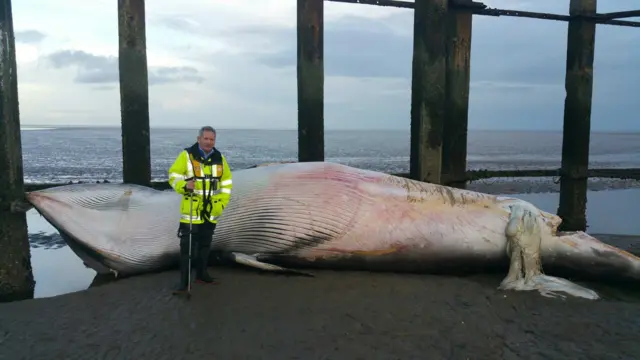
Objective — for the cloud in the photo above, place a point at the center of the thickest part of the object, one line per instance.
(104, 69)
(234, 63)
(29, 36)
(517, 71)
(356, 47)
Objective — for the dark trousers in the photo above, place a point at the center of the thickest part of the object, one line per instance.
(200, 248)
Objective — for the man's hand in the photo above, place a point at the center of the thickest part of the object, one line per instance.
(190, 185)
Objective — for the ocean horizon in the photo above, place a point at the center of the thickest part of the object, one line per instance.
(28, 127)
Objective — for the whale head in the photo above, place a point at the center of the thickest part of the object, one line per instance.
(111, 227)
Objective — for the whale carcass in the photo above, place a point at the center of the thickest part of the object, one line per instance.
(321, 214)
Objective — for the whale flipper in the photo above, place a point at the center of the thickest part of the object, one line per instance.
(253, 262)
(524, 234)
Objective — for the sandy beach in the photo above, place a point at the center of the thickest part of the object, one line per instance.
(336, 315)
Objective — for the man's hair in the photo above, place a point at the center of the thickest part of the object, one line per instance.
(206, 128)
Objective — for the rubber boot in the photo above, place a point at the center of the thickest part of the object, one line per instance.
(184, 268)
(202, 274)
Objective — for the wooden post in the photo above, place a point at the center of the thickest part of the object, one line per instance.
(310, 80)
(428, 86)
(577, 117)
(16, 275)
(134, 92)
(454, 141)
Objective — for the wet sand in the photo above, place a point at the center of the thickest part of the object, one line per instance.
(336, 315)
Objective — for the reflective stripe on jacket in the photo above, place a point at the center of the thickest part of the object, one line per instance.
(212, 188)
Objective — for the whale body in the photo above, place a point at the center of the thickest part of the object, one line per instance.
(283, 217)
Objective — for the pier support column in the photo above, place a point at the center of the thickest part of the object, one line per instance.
(310, 80)
(454, 141)
(577, 117)
(428, 89)
(16, 275)
(134, 93)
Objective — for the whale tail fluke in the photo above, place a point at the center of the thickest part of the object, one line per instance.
(524, 233)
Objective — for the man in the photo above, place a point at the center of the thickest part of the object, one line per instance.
(200, 174)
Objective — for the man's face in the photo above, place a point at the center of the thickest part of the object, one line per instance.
(207, 141)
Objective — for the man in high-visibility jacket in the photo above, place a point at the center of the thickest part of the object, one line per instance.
(200, 174)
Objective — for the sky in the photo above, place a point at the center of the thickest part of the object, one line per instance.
(232, 64)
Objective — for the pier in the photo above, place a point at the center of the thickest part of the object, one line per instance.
(441, 68)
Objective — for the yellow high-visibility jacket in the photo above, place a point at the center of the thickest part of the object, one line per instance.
(213, 184)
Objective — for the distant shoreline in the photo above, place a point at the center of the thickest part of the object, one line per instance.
(544, 185)
(110, 127)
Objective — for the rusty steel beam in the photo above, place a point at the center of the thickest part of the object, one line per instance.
(618, 15)
(479, 8)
